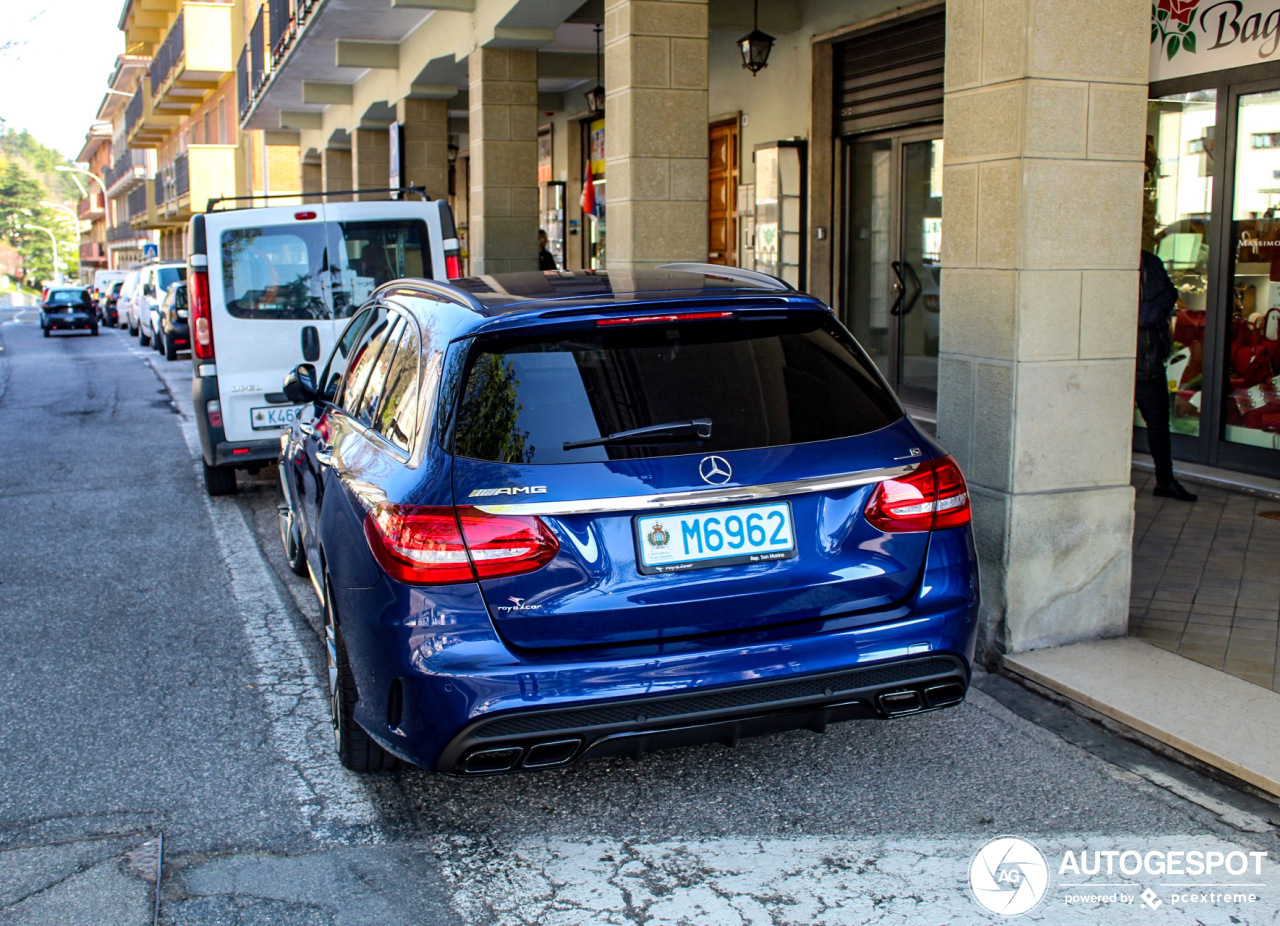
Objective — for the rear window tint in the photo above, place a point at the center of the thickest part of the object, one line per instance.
(762, 384)
(167, 276)
(69, 297)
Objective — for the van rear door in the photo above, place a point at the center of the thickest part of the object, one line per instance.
(284, 278)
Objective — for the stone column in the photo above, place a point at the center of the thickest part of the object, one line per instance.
(336, 167)
(426, 145)
(504, 159)
(1045, 130)
(655, 67)
(312, 180)
(371, 161)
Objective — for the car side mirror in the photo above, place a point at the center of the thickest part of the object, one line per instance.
(300, 384)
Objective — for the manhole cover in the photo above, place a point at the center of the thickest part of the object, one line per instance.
(1273, 515)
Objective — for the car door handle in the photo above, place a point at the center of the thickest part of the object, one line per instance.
(307, 429)
(324, 457)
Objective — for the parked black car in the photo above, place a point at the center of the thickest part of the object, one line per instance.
(68, 307)
(174, 332)
(107, 312)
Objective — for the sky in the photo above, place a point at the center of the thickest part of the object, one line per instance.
(54, 73)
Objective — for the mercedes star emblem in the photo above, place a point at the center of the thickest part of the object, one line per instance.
(715, 471)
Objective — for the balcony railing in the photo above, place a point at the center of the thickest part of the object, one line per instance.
(181, 175)
(138, 201)
(257, 53)
(126, 232)
(168, 53)
(162, 187)
(244, 93)
(90, 207)
(124, 167)
(92, 251)
(269, 44)
(133, 112)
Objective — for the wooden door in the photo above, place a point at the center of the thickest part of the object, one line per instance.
(722, 186)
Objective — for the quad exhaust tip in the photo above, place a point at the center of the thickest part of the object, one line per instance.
(509, 758)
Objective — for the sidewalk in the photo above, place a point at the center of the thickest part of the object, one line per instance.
(1206, 587)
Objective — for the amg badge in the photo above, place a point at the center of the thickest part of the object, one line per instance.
(509, 490)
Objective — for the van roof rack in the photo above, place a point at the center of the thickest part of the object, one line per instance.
(738, 274)
(420, 191)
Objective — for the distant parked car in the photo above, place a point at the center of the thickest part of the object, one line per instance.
(173, 332)
(67, 307)
(107, 302)
(144, 307)
(132, 281)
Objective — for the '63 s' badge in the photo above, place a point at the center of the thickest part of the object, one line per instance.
(658, 537)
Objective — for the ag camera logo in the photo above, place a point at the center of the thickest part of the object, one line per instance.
(1008, 876)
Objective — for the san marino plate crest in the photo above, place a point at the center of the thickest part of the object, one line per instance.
(658, 536)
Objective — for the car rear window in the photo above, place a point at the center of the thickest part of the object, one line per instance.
(167, 276)
(318, 270)
(762, 384)
(69, 297)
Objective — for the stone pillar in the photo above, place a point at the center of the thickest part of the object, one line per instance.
(1045, 130)
(426, 145)
(312, 180)
(371, 161)
(336, 167)
(504, 159)
(655, 67)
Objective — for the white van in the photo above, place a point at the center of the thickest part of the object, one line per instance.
(102, 280)
(132, 281)
(270, 288)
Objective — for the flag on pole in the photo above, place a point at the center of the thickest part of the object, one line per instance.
(588, 200)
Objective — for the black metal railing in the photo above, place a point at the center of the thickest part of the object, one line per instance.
(123, 165)
(181, 175)
(171, 49)
(160, 187)
(138, 201)
(243, 94)
(125, 232)
(133, 112)
(257, 53)
(281, 17)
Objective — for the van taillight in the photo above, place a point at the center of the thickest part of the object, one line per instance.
(932, 497)
(452, 264)
(443, 546)
(201, 317)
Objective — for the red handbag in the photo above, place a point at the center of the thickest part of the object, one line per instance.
(1253, 358)
(1188, 327)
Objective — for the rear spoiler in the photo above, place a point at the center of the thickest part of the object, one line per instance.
(419, 191)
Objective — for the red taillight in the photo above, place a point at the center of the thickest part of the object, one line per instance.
(303, 216)
(932, 497)
(442, 546)
(648, 319)
(201, 319)
(452, 265)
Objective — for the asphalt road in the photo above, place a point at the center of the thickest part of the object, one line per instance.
(161, 696)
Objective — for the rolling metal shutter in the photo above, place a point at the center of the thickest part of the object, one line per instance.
(890, 77)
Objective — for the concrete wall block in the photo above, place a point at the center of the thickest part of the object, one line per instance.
(1057, 118)
(649, 60)
(503, 93)
(522, 64)
(1048, 315)
(524, 201)
(621, 232)
(984, 123)
(964, 44)
(1109, 314)
(491, 201)
(617, 20)
(1096, 40)
(507, 163)
(1083, 540)
(990, 528)
(669, 231)
(979, 316)
(999, 213)
(955, 406)
(488, 64)
(617, 140)
(523, 121)
(669, 17)
(689, 64)
(960, 215)
(1117, 121)
(618, 58)
(668, 123)
(513, 238)
(1074, 425)
(650, 179)
(495, 123)
(1004, 40)
(688, 178)
(1082, 215)
(993, 424)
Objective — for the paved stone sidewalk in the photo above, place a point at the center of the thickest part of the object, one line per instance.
(1206, 579)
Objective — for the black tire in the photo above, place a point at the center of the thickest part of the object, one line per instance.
(93, 330)
(170, 352)
(291, 537)
(143, 340)
(133, 332)
(157, 341)
(219, 480)
(45, 330)
(356, 749)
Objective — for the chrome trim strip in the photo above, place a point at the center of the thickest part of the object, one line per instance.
(718, 495)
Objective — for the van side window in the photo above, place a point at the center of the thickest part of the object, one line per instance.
(376, 384)
(274, 272)
(362, 359)
(341, 354)
(374, 252)
(397, 418)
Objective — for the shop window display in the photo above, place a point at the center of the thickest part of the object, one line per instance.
(1251, 404)
(1181, 134)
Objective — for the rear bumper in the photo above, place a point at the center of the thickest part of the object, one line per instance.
(546, 738)
(214, 446)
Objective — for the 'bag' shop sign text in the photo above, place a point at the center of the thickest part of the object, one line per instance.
(1194, 36)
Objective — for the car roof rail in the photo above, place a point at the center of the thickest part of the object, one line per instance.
(740, 274)
(433, 287)
(419, 191)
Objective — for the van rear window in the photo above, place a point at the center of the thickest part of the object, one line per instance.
(762, 383)
(317, 270)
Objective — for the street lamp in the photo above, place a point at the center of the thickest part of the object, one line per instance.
(75, 217)
(88, 173)
(57, 269)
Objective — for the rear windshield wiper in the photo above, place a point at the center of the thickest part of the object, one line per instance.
(698, 428)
